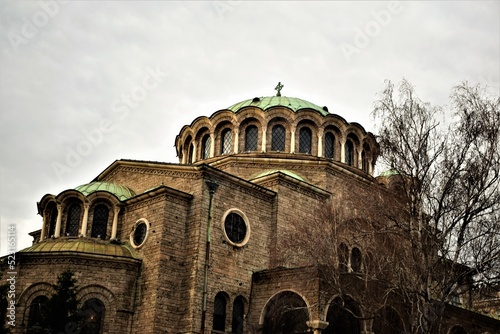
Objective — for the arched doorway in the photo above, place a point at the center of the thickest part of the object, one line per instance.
(343, 317)
(286, 313)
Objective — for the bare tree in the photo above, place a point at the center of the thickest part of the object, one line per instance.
(433, 234)
(450, 182)
(356, 259)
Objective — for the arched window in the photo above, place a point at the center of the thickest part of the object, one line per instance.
(238, 314)
(356, 260)
(219, 323)
(329, 145)
(226, 141)
(278, 138)
(205, 147)
(343, 253)
(305, 140)
(251, 138)
(52, 221)
(349, 152)
(92, 316)
(100, 221)
(364, 162)
(73, 219)
(190, 154)
(36, 312)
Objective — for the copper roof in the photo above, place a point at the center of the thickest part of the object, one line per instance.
(292, 103)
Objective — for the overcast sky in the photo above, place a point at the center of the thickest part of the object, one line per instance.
(87, 82)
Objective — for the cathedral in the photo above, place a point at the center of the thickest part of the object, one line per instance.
(195, 246)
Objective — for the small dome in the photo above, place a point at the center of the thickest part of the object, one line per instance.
(292, 103)
(122, 192)
(80, 245)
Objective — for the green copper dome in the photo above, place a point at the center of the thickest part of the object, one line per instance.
(119, 191)
(292, 103)
(80, 245)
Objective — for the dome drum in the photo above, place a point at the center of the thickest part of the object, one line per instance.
(277, 124)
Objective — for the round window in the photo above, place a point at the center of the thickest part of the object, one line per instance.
(236, 228)
(139, 233)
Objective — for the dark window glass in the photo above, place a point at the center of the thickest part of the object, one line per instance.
(92, 316)
(458, 330)
(73, 220)
(100, 222)
(206, 147)
(365, 161)
(235, 227)
(238, 314)
(329, 145)
(190, 154)
(343, 253)
(219, 323)
(278, 138)
(140, 233)
(227, 141)
(52, 221)
(356, 260)
(251, 138)
(305, 140)
(349, 153)
(36, 312)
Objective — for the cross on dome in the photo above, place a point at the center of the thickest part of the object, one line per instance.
(278, 88)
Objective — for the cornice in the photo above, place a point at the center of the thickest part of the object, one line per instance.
(28, 260)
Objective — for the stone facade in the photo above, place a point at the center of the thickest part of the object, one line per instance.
(166, 253)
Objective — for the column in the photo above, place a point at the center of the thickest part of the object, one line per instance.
(292, 139)
(184, 151)
(317, 325)
(193, 157)
(342, 152)
(366, 325)
(264, 140)
(236, 139)
(57, 233)
(212, 145)
(116, 210)
(320, 143)
(83, 231)
(360, 159)
(44, 226)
